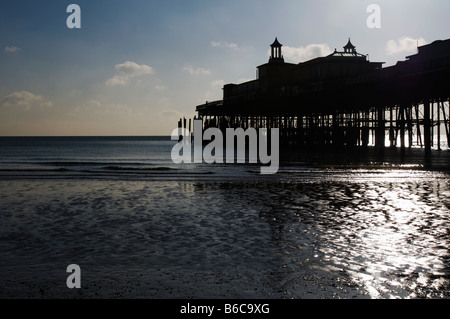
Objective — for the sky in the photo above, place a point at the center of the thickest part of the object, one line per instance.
(135, 67)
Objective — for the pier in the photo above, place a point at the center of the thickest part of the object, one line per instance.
(342, 100)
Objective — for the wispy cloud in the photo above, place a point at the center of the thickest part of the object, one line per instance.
(171, 114)
(75, 93)
(309, 52)
(127, 71)
(218, 83)
(198, 71)
(133, 69)
(224, 44)
(98, 107)
(160, 87)
(117, 80)
(404, 45)
(25, 99)
(12, 49)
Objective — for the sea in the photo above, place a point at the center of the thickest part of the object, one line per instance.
(330, 224)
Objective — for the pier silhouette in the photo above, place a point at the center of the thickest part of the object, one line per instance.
(342, 100)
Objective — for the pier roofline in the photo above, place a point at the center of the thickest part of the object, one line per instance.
(290, 86)
(343, 99)
(279, 78)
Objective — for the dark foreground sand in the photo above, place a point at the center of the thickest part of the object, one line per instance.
(370, 238)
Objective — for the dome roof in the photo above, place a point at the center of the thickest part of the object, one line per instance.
(349, 45)
(276, 44)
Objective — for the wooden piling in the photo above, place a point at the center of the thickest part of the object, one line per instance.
(446, 124)
(427, 127)
(439, 126)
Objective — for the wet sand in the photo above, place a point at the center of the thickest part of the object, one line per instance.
(362, 237)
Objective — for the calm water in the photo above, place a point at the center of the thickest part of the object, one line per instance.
(348, 224)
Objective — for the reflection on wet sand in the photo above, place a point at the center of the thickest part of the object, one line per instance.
(323, 234)
(390, 237)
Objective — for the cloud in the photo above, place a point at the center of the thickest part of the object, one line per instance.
(218, 83)
(75, 93)
(93, 104)
(160, 87)
(127, 71)
(133, 69)
(242, 80)
(309, 52)
(171, 114)
(25, 99)
(404, 45)
(107, 108)
(12, 49)
(197, 71)
(103, 108)
(223, 44)
(117, 80)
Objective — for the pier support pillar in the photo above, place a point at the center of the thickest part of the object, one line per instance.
(427, 127)
(446, 122)
(380, 130)
(402, 127)
(439, 125)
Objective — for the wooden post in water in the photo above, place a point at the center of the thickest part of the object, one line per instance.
(419, 133)
(427, 127)
(180, 137)
(409, 126)
(391, 126)
(432, 124)
(446, 124)
(438, 126)
(380, 130)
(402, 126)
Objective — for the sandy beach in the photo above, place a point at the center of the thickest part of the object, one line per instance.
(209, 239)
